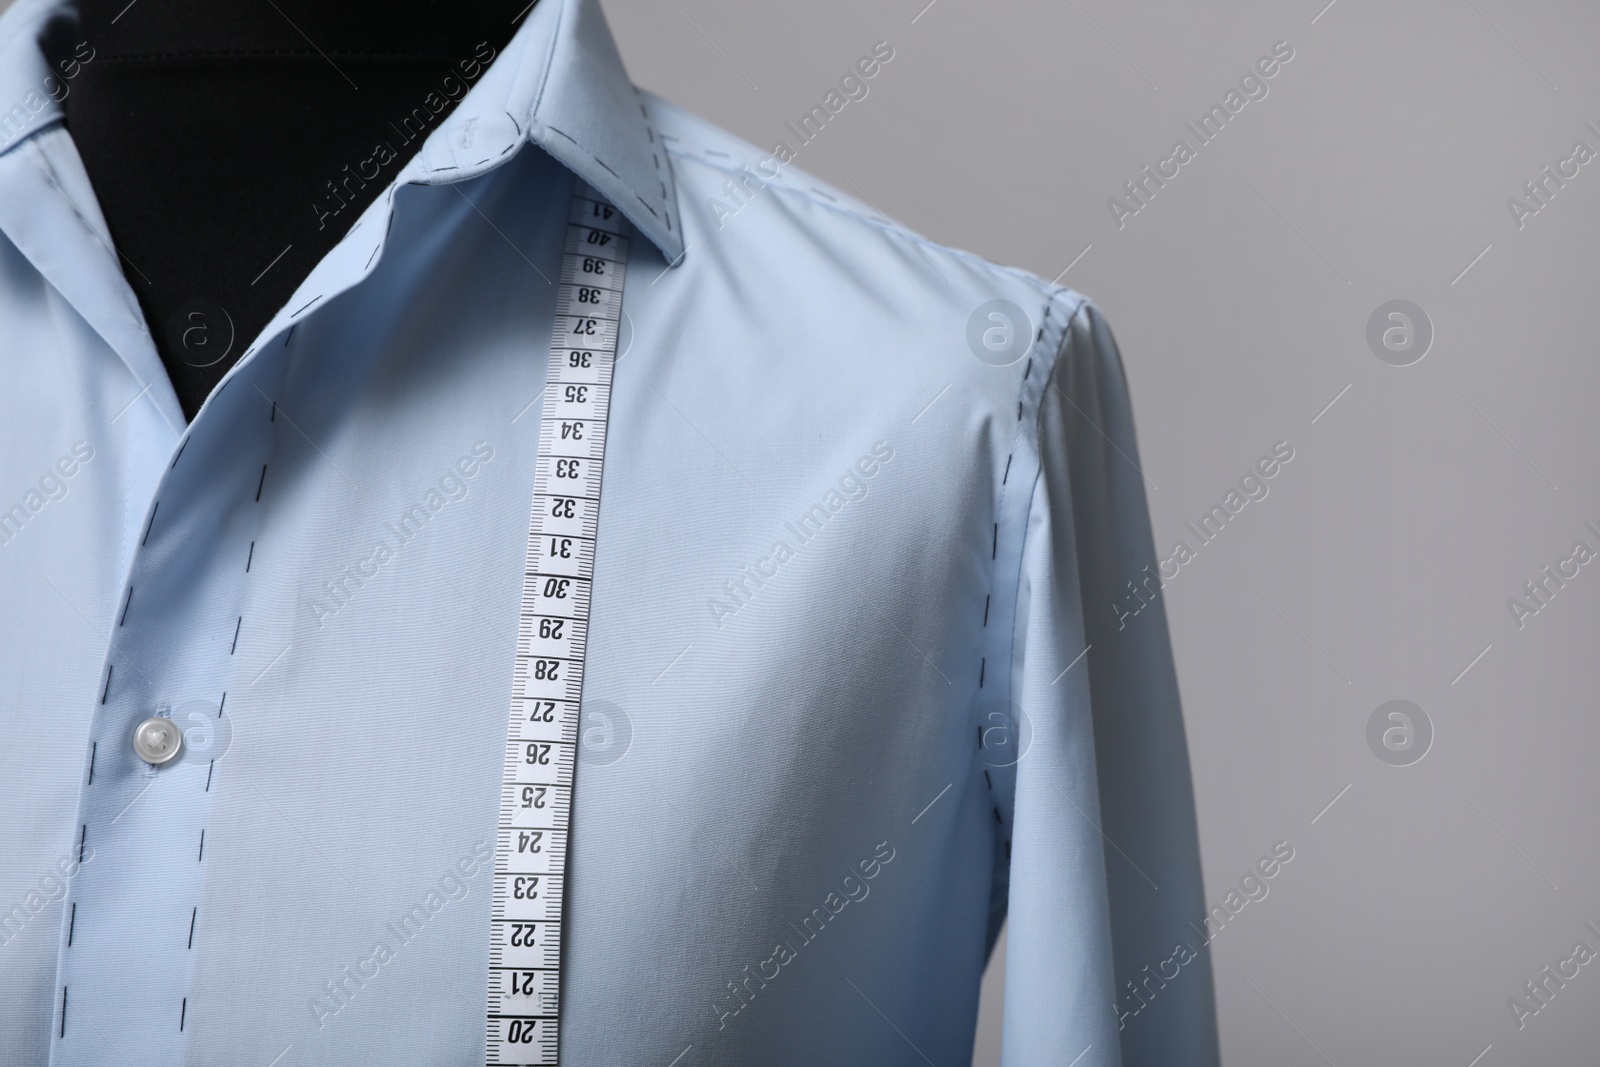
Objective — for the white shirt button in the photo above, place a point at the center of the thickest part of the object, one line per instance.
(157, 740)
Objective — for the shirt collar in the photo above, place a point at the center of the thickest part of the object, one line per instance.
(559, 84)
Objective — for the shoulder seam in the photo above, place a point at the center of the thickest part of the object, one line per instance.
(674, 146)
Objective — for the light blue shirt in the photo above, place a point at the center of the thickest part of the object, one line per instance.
(864, 673)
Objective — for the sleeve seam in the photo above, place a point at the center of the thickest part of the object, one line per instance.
(1015, 509)
(1058, 359)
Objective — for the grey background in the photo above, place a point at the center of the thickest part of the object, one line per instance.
(1378, 167)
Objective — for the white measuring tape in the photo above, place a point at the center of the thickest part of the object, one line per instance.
(541, 748)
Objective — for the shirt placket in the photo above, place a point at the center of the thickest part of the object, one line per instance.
(133, 922)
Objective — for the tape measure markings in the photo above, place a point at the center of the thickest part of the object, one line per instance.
(523, 1017)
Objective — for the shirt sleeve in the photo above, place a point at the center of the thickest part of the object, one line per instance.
(1105, 954)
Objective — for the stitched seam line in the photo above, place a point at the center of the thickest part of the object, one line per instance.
(597, 161)
(657, 150)
(1057, 360)
(1051, 339)
(1033, 281)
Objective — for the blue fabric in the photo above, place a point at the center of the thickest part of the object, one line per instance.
(840, 719)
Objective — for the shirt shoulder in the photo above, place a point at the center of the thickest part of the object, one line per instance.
(757, 215)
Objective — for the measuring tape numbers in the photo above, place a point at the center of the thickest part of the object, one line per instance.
(552, 634)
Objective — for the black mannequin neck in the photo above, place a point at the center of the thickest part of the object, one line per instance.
(218, 138)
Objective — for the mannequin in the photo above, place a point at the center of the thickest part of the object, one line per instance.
(231, 144)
